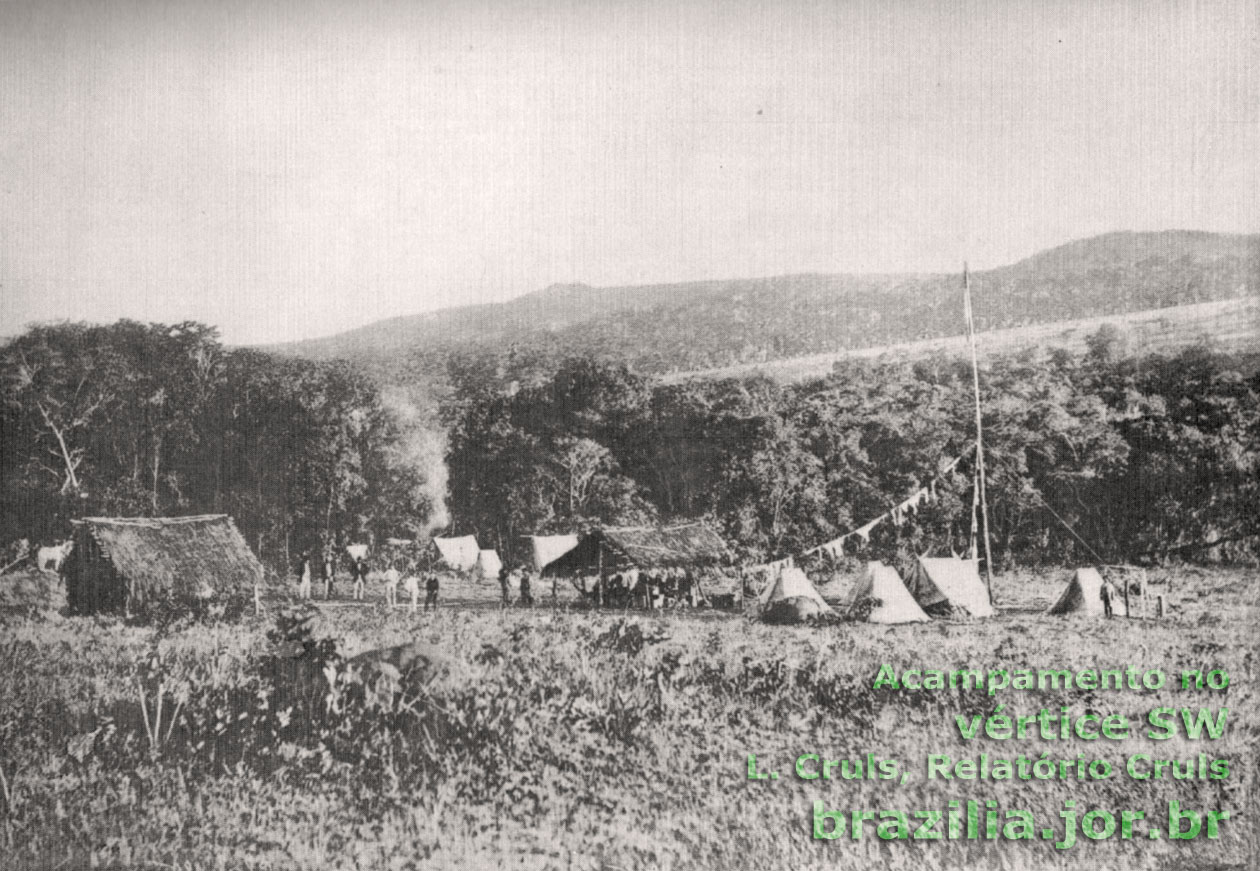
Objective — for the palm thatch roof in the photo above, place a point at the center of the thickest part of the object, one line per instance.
(645, 547)
(148, 557)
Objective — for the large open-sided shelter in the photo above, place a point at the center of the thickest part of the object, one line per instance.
(791, 597)
(946, 585)
(688, 545)
(122, 564)
(887, 597)
(1084, 595)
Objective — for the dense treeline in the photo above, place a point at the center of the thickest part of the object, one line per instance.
(1137, 455)
(147, 420)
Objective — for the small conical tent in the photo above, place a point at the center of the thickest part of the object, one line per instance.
(942, 585)
(893, 602)
(791, 598)
(459, 554)
(1083, 595)
(546, 549)
(488, 564)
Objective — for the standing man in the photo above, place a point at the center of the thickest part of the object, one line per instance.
(392, 576)
(504, 591)
(1106, 593)
(360, 573)
(653, 588)
(527, 596)
(431, 592)
(685, 589)
(304, 576)
(330, 572)
(411, 585)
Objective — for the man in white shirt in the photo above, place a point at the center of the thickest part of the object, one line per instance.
(304, 577)
(392, 577)
(412, 585)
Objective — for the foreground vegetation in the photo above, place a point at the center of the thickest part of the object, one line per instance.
(571, 739)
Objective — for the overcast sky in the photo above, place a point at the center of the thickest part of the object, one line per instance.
(292, 169)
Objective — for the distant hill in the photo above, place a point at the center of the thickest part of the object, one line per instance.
(696, 326)
(1232, 324)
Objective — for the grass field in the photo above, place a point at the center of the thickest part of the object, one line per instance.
(562, 738)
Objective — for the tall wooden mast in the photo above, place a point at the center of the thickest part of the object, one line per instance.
(979, 492)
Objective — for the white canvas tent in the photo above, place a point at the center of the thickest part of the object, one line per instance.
(488, 564)
(459, 553)
(791, 598)
(892, 601)
(357, 551)
(1083, 595)
(949, 584)
(547, 549)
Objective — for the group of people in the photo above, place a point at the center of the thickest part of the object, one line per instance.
(359, 571)
(651, 589)
(411, 586)
(526, 590)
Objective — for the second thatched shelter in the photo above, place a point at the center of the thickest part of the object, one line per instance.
(125, 564)
(688, 545)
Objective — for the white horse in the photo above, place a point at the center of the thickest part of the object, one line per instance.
(49, 559)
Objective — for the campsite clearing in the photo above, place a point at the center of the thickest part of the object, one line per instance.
(581, 719)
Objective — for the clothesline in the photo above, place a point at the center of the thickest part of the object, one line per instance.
(910, 505)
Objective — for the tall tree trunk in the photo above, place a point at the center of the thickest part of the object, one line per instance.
(157, 463)
(328, 515)
(72, 479)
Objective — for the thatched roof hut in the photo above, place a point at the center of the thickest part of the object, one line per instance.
(643, 547)
(122, 564)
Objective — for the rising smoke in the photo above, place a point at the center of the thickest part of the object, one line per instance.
(422, 446)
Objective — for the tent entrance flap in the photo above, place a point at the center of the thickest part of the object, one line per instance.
(792, 598)
(891, 602)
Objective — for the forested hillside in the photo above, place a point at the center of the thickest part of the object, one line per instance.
(704, 325)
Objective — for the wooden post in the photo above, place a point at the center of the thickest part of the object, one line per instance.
(599, 562)
(980, 473)
(1127, 612)
(1159, 605)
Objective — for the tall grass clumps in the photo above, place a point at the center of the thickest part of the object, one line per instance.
(555, 739)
